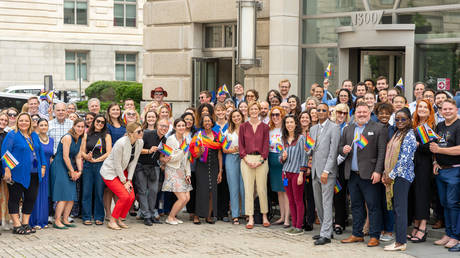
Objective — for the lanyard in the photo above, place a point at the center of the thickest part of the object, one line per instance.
(29, 142)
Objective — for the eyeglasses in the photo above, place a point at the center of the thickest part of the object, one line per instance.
(321, 110)
(397, 120)
(340, 112)
(130, 114)
(139, 131)
(250, 96)
(100, 121)
(12, 114)
(275, 114)
(159, 93)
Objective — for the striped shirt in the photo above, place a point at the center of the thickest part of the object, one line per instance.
(57, 130)
(296, 160)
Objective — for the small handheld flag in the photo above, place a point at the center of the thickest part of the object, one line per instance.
(431, 134)
(226, 144)
(184, 146)
(220, 137)
(279, 147)
(400, 83)
(166, 150)
(98, 145)
(337, 187)
(43, 95)
(328, 72)
(125, 120)
(50, 95)
(9, 159)
(422, 134)
(309, 143)
(362, 142)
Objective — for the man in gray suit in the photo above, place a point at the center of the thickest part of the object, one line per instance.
(364, 164)
(326, 135)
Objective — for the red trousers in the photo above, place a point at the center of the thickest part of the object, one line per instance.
(125, 199)
(295, 197)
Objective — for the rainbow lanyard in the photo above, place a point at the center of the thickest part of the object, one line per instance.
(29, 142)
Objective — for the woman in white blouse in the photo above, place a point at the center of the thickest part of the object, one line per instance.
(232, 165)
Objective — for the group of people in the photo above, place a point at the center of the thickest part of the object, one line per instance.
(235, 158)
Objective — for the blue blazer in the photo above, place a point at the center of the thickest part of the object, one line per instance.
(17, 145)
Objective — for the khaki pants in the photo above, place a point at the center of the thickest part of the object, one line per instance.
(259, 177)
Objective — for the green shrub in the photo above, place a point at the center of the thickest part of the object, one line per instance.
(115, 91)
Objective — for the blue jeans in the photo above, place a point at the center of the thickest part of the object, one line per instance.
(363, 191)
(92, 181)
(448, 182)
(235, 183)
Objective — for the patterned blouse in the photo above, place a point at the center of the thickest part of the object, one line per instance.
(405, 165)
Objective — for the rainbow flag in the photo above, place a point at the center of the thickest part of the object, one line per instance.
(43, 95)
(400, 83)
(337, 187)
(309, 143)
(226, 143)
(362, 142)
(50, 95)
(223, 90)
(184, 146)
(328, 72)
(423, 134)
(166, 150)
(220, 137)
(98, 144)
(431, 134)
(279, 147)
(9, 159)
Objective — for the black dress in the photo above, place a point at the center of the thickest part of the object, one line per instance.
(206, 183)
(420, 191)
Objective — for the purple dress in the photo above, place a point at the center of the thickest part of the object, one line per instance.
(39, 216)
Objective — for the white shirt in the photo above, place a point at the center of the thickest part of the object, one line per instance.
(275, 138)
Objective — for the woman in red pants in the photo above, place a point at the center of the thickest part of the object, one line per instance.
(118, 170)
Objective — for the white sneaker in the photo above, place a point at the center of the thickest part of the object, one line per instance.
(171, 222)
(70, 219)
(179, 221)
(386, 238)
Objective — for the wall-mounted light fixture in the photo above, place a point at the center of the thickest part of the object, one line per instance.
(247, 28)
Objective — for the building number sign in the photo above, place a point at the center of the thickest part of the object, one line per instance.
(362, 19)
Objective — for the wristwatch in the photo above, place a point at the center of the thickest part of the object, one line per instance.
(262, 161)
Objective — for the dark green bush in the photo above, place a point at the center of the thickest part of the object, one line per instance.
(115, 91)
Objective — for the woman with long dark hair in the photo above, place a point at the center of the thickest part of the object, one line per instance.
(294, 105)
(96, 146)
(344, 97)
(399, 174)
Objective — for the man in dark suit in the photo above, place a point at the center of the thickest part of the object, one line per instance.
(364, 166)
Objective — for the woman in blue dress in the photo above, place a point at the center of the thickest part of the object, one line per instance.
(116, 128)
(39, 216)
(64, 172)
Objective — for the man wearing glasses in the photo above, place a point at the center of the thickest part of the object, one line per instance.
(205, 97)
(159, 94)
(147, 172)
(60, 125)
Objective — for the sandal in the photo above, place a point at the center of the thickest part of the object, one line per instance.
(416, 239)
(99, 223)
(87, 223)
(29, 229)
(410, 236)
(236, 221)
(20, 230)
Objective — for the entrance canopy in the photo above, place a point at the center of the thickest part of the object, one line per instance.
(367, 33)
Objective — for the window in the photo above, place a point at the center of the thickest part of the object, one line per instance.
(74, 63)
(75, 12)
(219, 36)
(125, 67)
(124, 13)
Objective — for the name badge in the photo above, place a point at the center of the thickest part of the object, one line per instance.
(370, 133)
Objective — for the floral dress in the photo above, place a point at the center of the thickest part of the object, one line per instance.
(175, 177)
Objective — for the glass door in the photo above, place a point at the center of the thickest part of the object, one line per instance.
(204, 77)
(386, 63)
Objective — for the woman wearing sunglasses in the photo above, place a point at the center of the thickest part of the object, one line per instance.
(118, 169)
(96, 146)
(12, 115)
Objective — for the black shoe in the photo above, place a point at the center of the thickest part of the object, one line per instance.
(308, 228)
(148, 222)
(156, 221)
(338, 230)
(316, 237)
(322, 241)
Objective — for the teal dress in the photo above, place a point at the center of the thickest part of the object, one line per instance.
(62, 187)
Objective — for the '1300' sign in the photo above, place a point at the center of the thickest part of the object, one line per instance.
(366, 18)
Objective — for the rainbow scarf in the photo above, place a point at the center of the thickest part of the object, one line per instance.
(201, 139)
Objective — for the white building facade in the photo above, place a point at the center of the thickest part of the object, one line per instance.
(70, 39)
